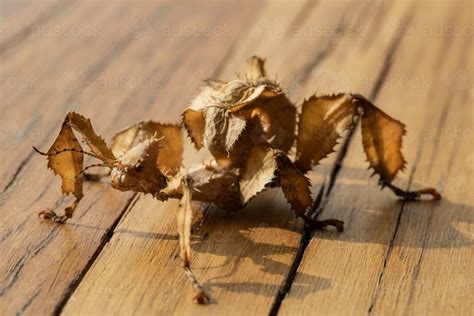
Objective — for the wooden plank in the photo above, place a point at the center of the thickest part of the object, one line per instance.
(22, 19)
(37, 85)
(242, 259)
(44, 262)
(40, 268)
(148, 234)
(397, 258)
(430, 267)
(138, 270)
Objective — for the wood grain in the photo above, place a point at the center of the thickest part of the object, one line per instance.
(123, 62)
(375, 266)
(124, 70)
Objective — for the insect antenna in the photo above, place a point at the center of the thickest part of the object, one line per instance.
(65, 150)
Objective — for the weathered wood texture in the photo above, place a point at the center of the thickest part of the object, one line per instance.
(121, 62)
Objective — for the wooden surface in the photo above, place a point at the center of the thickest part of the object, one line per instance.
(121, 62)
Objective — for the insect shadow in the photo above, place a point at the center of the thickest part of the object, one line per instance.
(375, 216)
(250, 233)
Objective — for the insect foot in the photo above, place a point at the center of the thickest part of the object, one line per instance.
(201, 298)
(412, 195)
(49, 214)
(322, 225)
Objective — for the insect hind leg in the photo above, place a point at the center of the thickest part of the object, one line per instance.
(321, 225)
(411, 195)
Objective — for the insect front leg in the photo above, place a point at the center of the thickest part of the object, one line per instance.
(49, 214)
(184, 221)
(66, 158)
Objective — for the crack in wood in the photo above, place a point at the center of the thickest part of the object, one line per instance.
(27, 303)
(416, 270)
(21, 166)
(24, 33)
(387, 65)
(392, 239)
(19, 265)
(17, 172)
(323, 195)
(441, 122)
(5, 235)
(321, 54)
(230, 52)
(110, 232)
(439, 127)
(103, 242)
(303, 244)
(301, 16)
(375, 92)
(93, 72)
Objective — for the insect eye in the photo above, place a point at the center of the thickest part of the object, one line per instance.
(139, 167)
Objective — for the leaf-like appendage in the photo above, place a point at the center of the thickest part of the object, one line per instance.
(322, 121)
(95, 142)
(67, 164)
(270, 167)
(169, 158)
(195, 124)
(276, 118)
(259, 172)
(223, 129)
(295, 186)
(382, 141)
(220, 187)
(184, 221)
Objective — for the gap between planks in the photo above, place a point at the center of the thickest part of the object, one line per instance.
(323, 195)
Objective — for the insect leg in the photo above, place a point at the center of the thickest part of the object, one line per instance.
(321, 225)
(68, 211)
(411, 195)
(201, 296)
(184, 221)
